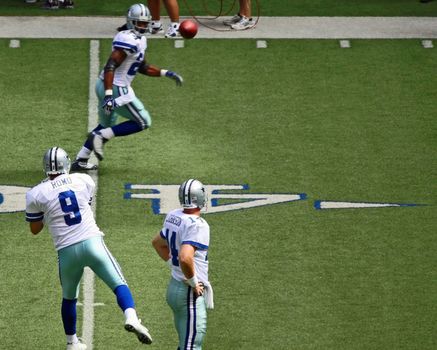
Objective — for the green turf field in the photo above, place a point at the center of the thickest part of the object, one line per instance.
(230, 7)
(299, 117)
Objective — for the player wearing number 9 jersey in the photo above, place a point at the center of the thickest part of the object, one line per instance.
(62, 203)
(113, 87)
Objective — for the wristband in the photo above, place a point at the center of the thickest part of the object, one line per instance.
(108, 92)
(163, 72)
(193, 281)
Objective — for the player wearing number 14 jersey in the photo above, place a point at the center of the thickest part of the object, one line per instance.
(62, 203)
(113, 87)
(184, 242)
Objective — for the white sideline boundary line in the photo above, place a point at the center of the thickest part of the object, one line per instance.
(305, 27)
(88, 277)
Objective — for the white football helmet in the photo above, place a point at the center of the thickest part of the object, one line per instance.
(138, 13)
(56, 162)
(192, 194)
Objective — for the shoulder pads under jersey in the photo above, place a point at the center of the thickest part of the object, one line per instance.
(126, 40)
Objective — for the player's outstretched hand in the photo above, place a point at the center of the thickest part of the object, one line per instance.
(176, 77)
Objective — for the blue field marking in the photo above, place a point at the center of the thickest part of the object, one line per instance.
(127, 195)
(164, 198)
(244, 187)
(12, 198)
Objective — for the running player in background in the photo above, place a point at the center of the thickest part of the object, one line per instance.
(113, 87)
(62, 203)
(183, 242)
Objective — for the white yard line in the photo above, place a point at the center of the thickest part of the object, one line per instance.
(88, 278)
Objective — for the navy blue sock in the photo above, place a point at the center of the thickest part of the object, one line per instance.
(68, 312)
(126, 128)
(88, 144)
(124, 297)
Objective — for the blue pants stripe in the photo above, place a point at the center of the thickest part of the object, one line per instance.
(190, 335)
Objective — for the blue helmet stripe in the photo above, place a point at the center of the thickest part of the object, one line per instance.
(187, 191)
(56, 159)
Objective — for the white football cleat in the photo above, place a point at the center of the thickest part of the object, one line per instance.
(243, 23)
(142, 332)
(230, 21)
(76, 346)
(156, 28)
(82, 164)
(173, 31)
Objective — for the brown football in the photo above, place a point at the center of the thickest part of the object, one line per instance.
(188, 29)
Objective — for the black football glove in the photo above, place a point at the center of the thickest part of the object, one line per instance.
(108, 104)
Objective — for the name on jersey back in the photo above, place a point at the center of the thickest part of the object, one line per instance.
(174, 220)
(61, 182)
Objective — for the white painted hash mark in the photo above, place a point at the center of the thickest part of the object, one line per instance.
(357, 205)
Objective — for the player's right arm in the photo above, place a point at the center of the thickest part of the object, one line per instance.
(161, 247)
(34, 214)
(36, 227)
(114, 61)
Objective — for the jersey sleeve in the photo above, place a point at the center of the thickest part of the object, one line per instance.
(163, 233)
(125, 41)
(33, 210)
(196, 234)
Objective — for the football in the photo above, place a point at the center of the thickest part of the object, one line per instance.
(188, 29)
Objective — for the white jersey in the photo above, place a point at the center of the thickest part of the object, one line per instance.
(134, 46)
(63, 204)
(180, 228)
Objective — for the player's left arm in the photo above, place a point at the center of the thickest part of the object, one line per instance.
(36, 227)
(34, 213)
(154, 71)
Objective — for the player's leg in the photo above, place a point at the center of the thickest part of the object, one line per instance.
(245, 21)
(70, 273)
(106, 267)
(200, 322)
(139, 120)
(172, 8)
(155, 10)
(189, 315)
(82, 157)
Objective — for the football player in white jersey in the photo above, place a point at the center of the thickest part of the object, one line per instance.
(183, 242)
(62, 203)
(113, 87)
